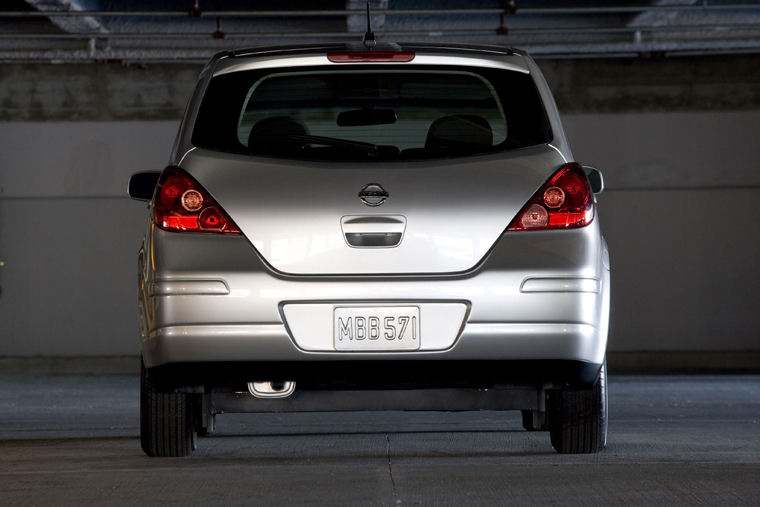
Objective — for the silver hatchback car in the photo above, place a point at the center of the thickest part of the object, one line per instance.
(399, 227)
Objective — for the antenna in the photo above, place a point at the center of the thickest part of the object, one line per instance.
(369, 37)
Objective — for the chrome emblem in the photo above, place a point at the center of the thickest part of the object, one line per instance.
(373, 195)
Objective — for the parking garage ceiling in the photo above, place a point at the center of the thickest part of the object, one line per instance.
(193, 30)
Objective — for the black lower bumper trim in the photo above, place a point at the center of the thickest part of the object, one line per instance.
(375, 374)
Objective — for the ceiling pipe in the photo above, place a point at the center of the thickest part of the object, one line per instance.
(199, 57)
(391, 12)
(595, 30)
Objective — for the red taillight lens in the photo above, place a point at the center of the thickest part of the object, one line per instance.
(370, 56)
(564, 202)
(181, 204)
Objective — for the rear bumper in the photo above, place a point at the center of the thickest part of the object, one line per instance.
(271, 342)
(375, 375)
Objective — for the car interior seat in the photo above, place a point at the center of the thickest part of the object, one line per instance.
(459, 132)
(273, 135)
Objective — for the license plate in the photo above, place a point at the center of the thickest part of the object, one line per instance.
(376, 328)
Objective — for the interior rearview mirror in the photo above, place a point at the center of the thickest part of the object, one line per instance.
(142, 185)
(595, 178)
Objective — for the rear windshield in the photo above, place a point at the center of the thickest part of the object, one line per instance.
(371, 113)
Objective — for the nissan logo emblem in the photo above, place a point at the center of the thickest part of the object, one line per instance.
(373, 195)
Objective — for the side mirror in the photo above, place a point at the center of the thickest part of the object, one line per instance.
(595, 178)
(142, 185)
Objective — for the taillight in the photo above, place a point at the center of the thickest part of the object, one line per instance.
(370, 56)
(564, 202)
(181, 204)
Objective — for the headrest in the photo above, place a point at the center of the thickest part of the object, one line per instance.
(263, 137)
(461, 131)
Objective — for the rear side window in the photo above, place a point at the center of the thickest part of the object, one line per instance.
(372, 113)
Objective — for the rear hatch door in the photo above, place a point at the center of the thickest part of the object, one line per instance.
(307, 218)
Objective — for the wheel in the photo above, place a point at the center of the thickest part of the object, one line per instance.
(578, 417)
(533, 420)
(166, 420)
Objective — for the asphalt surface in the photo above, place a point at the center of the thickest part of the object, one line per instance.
(676, 440)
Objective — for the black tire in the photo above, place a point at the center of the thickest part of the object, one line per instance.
(166, 420)
(578, 417)
(529, 423)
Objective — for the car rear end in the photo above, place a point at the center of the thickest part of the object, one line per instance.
(403, 221)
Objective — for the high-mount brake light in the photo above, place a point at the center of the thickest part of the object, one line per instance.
(182, 205)
(564, 202)
(370, 56)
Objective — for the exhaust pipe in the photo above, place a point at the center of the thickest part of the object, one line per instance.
(269, 390)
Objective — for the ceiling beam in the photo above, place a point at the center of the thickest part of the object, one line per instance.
(69, 24)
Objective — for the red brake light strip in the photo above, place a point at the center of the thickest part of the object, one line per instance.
(370, 56)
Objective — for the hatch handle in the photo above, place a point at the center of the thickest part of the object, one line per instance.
(361, 231)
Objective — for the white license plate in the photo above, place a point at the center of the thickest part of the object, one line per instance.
(376, 328)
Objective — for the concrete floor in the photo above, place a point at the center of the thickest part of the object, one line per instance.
(71, 440)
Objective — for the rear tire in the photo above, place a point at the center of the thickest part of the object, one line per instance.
(166, 420)
(578, 417)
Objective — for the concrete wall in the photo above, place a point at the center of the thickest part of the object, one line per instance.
(69, 235)
(681, 218)
(679, 212)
